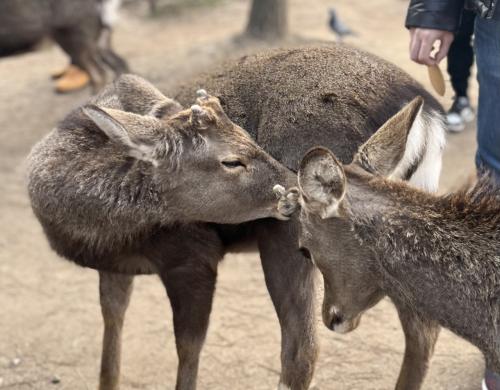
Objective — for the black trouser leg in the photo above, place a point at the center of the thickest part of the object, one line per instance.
(461, 55)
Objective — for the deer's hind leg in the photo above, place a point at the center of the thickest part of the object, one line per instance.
(114, 293)
(105, 49)
(80, 43)
(421, 335)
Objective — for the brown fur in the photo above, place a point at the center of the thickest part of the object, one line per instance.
(290, 100)
(261, 94)
(119, 194)
(436, 257)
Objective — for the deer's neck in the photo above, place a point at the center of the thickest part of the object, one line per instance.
(433, 256)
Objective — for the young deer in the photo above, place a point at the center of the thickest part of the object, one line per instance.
(121, 182)
(437, 255)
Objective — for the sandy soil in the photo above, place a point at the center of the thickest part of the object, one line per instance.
(50, 324)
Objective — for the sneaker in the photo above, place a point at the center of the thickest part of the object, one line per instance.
(459, 114)
(491, 381)
(455, 122)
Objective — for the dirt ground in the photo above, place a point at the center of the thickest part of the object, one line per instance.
(50, 323)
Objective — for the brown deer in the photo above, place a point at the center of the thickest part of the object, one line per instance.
(106, 183)
(371, 234)
(290, 100)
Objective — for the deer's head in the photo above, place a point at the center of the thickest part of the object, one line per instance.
(407, 147)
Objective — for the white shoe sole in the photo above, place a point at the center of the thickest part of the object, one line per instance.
(483, 385)
(456, 128)
(467, 115)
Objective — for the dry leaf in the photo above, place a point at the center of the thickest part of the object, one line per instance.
(437, 79)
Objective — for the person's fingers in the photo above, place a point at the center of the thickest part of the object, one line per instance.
(446, 41)
(414, 46)
(424, 54)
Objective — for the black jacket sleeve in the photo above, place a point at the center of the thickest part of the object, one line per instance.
(435, 14)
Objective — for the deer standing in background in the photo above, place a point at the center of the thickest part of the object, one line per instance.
(82, 28)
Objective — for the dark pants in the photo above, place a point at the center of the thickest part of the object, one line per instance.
(461, 54)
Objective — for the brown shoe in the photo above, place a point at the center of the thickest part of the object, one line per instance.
(57, 74)
(73, 79)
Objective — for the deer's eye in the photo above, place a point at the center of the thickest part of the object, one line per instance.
(232, 164)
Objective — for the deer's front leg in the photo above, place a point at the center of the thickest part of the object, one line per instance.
(421, 335)
(290, 281)
(114, 292)
(188, 269)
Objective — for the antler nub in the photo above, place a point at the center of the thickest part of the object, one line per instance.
(288, 200)
(196, 109)
(279, 190)
(202, 94)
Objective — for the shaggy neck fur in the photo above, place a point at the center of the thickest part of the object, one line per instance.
(440, 255)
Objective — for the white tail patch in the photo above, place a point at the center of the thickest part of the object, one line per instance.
(109, 12)
(424, 147)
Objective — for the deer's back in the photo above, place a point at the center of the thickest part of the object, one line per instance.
(83, 191)
(292, 99)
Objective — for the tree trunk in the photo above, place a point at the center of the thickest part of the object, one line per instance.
(268, 20)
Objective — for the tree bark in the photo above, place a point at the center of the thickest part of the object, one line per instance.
(268, 20)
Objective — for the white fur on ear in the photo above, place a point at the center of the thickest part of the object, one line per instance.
(426, 176)
(332, 210)
(424, 146)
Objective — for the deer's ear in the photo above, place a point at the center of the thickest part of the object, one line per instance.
(165, 108)
(322, 182)
(126, 129)
(397, 145)
(139, 96)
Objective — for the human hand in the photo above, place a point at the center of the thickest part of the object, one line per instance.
(422, 41)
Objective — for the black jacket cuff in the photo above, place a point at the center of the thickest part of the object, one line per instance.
(439, 15)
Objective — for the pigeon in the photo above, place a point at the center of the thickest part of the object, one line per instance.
(337, 26)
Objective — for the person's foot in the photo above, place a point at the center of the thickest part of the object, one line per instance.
(459, 114)
(58, 73)
(73, 79)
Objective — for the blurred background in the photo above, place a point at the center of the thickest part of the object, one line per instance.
(50, 320)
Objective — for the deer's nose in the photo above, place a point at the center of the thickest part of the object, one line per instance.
(337, 319)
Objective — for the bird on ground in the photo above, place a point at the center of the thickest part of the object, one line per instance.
(337, 26)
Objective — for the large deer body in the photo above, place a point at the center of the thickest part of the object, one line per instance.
(289, 101)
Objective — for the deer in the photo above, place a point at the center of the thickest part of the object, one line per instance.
(287, 100)
(290, 100)
(106, 182)
(82, 28)
(438, 256)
